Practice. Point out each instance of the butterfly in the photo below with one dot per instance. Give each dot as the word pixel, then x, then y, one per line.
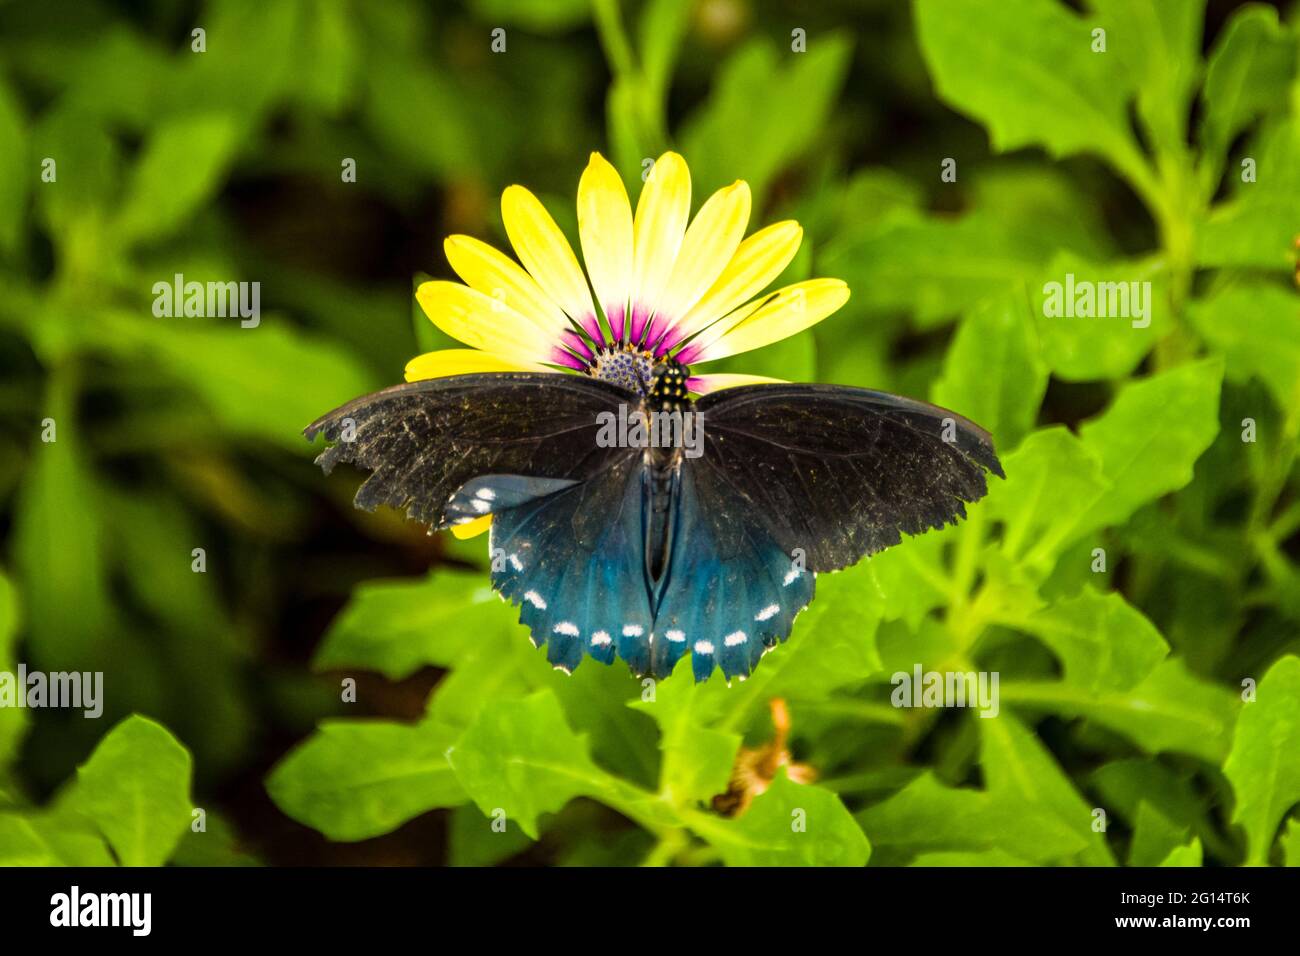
pixel 647 550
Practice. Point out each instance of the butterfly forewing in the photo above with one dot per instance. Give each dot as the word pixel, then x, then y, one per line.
pixel 838 473
pixel 423 441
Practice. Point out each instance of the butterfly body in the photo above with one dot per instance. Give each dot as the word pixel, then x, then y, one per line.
pixel 648 551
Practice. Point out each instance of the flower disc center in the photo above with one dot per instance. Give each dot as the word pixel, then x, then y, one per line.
pixel 626 366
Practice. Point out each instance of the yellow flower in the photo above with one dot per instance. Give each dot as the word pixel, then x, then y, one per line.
pixel 662 287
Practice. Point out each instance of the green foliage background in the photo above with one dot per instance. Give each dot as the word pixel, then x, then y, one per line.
pixel 1121 690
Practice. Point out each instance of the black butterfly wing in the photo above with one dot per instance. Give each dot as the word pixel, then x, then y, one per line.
pixel 836 472
pixel 423 441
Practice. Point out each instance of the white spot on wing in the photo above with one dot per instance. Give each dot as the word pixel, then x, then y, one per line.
pixel 792 576
pixel 480 506
pixel 675 636
pixel 734 638
pixel 767 612
pixel 487 494
pixel 515 562
pixel 633 630
pixel 535 599
pixel 703 647
pixel 600 639
pixel 566 627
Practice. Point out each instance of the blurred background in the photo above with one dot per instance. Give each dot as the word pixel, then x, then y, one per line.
pixel 228 164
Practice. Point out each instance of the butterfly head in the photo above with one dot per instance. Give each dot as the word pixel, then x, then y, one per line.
pixel 668 386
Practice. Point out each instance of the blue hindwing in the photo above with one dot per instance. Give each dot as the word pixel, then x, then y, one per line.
pixel 730 592
pixel 574 562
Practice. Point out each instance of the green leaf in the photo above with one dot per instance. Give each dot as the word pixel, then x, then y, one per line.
pixel 59 545
pixel 397 627
pixel 1157 45
pixel 478 841
pixel 968 858
pixel 1046 205
pixel 180 168
pixel 663 25
pixel 909 581
pixel 15 171
pixel 541 16
pixel 1020 772
pixel 520 757
pixel 926 816
pixel 269 382
pixel 906 264
pixel 1172 710
pixel 1249 69
pixel 992 371
pixel 245 70
pixel 13 720
pixel 1262 766
pixel 1150 437
pixel 217 844
pixel 417 113
pixel 1026 70
pixel 697 760
pixel 1155 837
pixel 1051 466
pixel 22 845
pixel 1077 346
pixel 792 824
pixel 497 668
pixel 1267 346
pixel 1190 855
pixel 1291 843
pixel 762 114
pixel 72 838
pixel 135 787
pixel 352 780
pixel 1257 227
pixel 1104 643
pixel 1125 784
pixel 86 170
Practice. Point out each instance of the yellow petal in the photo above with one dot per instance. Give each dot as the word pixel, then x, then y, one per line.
pixel 545 252
pixel 758 260
pixel 605 229
pixel 472 529
pixel 703 384
pixel 482 322
pixel 498 276
pixel 446 362
pixel 661 215
pixel 709 245
pixel 784 313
